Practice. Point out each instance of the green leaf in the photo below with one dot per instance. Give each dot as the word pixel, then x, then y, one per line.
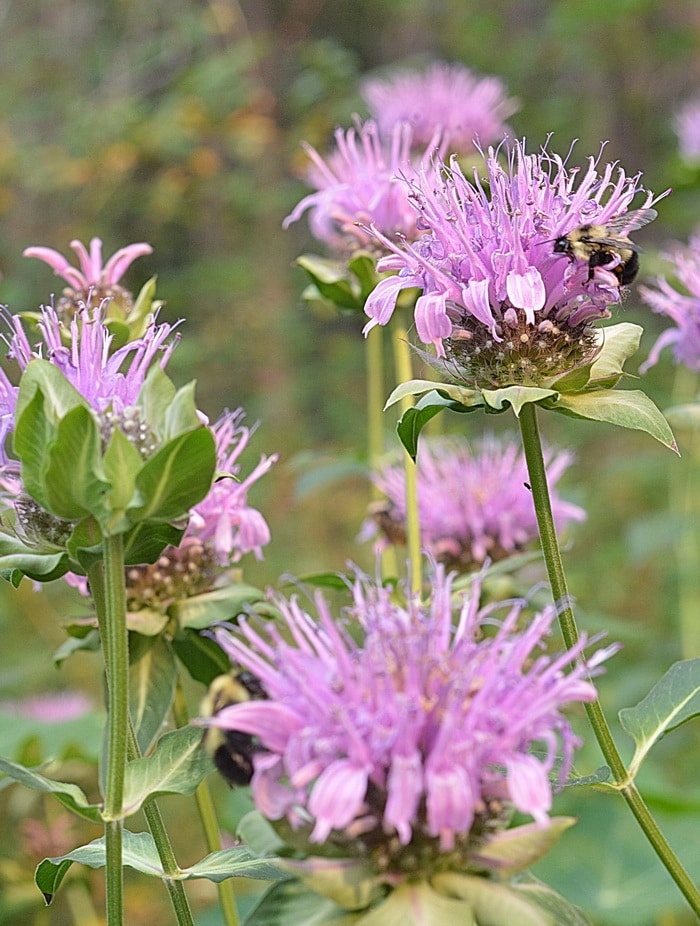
pixel 330 278
pixel 59 395
pixel 42 567
pixel 563 912
pixel 512 850
pixel 671 702
pixel 291 903
pixel 147 622
pixel 515 397
pixel 33 436
pixel 154 399
pixel 350 883
pixel 415 419
pixel 460 394
pixel 259 835
pixel 177 477
pixel 69 795
pixel 221 604
pixel 89 643
pixel 627 408
pixel 138 852
pixel 152 677
pixel 181 414
pixel 74 476
pixel 236 862
pixel 177 765
pixel 364 267
pixel 419 904
pixel 620 342
pixel 203 658
pixel 146 541
pixel 142 308
pixel 493 903
pixel 122 463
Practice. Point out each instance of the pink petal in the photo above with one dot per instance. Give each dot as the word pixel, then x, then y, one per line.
pixel 59 265
pixel 529 786
pixel 526 291
pixel 271 721
pixel 117 265
pixel 337 797
pixel 432 322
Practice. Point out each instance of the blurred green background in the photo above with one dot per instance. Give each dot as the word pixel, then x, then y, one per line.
pixel 178 123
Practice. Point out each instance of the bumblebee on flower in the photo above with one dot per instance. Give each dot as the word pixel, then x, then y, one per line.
pixel 412 744
pixel 499 304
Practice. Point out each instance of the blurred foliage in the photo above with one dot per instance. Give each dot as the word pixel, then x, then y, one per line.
pixel 178 123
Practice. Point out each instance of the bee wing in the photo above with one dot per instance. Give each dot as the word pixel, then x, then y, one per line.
pixel 624 224
pixel 615 243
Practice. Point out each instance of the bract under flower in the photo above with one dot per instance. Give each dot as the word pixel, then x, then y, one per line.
pixel 416 735
pixel 498 303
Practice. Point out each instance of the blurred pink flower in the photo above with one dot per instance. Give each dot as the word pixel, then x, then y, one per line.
pixel 473 502
pixel 359 184
pixel 682 308
pixel 467 108
pixel 687 127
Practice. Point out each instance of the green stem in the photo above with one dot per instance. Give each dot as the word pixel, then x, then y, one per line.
pixel 154 819
pixel 107 588
pixel 404 372
pixel 207 815
pixel 112 621
pixel 532 446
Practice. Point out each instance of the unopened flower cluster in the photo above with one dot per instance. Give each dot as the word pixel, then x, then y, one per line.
pixel 421 735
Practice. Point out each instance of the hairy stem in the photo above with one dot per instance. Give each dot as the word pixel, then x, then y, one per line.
pixel 108 577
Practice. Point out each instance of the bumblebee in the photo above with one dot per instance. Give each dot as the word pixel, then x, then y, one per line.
pixel 600 245
pixel 231 750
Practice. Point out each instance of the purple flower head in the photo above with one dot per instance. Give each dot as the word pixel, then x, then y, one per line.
pixel 687 127
pixel 419 734
pixel 467 108
pixel 359 184
pixel 224 519
pixel 498 303
pixel 472 501
pixel 683 308
pixel 109 382
pixel 91 280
